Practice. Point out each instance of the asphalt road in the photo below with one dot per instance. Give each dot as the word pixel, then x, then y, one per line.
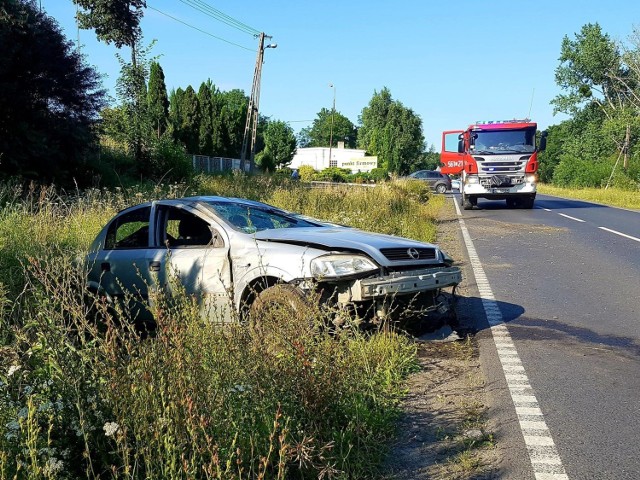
pixel 566 276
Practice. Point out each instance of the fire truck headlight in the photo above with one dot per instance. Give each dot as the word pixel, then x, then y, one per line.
pixel 531 178
pixel 471 179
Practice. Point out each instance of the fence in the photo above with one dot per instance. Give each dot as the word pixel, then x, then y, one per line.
pixel 203 163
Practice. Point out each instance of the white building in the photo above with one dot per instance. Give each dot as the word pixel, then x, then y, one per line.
pixel 349 158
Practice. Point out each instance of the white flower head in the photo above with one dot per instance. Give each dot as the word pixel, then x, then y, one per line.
pixel 111 428
pixel 13 369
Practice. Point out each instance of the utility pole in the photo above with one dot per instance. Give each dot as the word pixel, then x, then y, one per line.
pixel 251 125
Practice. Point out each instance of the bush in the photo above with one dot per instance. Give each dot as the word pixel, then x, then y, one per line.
pixel 306 172
pixel 333 174
pixel 580 173
pixel 169 160
pixel 379 174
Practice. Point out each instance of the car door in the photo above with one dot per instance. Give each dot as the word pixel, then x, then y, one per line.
pixel 432 178
pixel 194 253
pixel 122 265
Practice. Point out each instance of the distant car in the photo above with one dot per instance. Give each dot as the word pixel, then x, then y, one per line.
pixel 455 184
pixel 436 180
pixel 236 256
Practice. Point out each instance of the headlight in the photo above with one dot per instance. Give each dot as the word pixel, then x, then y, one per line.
pixel 471 180
pixel 531 178
pixel 446 259
pixel 334 266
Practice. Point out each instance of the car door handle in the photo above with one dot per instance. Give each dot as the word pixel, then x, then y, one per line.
pixel 154 266
pixel 105 266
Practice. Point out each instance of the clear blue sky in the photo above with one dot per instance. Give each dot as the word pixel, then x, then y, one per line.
pixel 452 62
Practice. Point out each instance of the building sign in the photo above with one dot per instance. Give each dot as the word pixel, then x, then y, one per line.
pixel 360 164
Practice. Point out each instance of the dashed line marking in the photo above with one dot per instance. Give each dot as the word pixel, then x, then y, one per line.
pixel 571 218
pixel 544 458
pixel 620 233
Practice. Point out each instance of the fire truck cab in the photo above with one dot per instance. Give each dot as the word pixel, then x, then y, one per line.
pixel 497 160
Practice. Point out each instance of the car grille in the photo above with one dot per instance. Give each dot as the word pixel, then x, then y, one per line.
pixel 402 254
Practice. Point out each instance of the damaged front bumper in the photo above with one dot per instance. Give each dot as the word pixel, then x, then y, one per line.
pixel 400 283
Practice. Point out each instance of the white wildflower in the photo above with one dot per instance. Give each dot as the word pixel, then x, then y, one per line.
pixel 13 369
pixel 54 466
pixel 110 428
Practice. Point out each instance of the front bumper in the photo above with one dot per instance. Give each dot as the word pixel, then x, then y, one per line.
pixel 402 283
pixel 482 191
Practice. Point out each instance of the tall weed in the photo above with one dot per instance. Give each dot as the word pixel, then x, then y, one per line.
pixel 83 395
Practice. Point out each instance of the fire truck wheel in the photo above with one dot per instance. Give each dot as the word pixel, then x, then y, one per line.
pixel 527 202
pixel 465 202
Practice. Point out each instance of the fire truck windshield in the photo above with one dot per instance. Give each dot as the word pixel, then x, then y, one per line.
pixel 503 141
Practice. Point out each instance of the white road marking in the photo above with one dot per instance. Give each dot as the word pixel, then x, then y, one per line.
pixel 544 458
pixel 546 209
pixel 620 233
pixel 571 218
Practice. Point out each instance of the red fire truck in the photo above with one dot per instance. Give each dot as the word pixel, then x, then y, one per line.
pixel 497 160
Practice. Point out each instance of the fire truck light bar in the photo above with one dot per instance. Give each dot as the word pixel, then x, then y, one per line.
pixel 496 122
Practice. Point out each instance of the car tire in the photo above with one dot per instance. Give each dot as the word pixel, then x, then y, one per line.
pixel 282 309
pixel 441 188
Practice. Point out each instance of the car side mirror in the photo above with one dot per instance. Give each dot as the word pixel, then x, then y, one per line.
pixel 543 142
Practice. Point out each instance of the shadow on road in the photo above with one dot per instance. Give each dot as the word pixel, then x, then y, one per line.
pixel 472 318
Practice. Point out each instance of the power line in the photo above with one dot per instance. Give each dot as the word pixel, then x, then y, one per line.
pixel 198 29
pixel 216 14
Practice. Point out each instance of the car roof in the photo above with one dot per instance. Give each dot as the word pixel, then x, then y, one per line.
pixel 204 199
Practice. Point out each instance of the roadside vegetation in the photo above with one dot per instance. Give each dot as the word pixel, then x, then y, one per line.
pixel 87 399
pixel 599 145
pixel 611 196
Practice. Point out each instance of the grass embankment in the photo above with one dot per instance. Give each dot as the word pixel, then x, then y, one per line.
pixel 200 400
pixel 611 196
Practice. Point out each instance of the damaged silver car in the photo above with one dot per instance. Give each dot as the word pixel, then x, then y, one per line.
pixel 237 256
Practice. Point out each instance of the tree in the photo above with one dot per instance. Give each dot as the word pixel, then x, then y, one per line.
pixel 321 132
pixel 131 88
pixel 233 116
pixel 587 67
pixel 592 71
pixel 157 100
pixel 189 132
pixel 280 146
pixel 114 21
pixel 49 98
pixel 392 132
pixel 207 116
pixel 175 112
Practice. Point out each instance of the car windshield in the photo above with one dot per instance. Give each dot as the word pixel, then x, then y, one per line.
pixel 251 219
pixel 504 141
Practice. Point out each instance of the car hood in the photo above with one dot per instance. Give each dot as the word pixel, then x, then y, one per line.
pixel 351 239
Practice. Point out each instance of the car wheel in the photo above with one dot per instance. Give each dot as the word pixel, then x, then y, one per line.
pixel 282 311
pixel 441 188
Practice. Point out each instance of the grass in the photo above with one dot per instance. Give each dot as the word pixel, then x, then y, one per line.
pixel 612 196
pixel 81 398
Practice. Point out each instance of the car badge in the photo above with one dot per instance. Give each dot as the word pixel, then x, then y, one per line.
pixel 413 253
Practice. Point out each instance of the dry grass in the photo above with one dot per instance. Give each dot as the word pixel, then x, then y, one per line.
pixel 611 196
